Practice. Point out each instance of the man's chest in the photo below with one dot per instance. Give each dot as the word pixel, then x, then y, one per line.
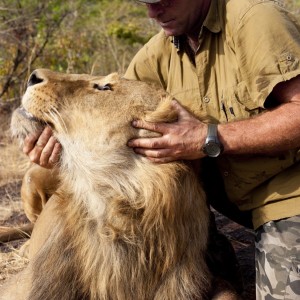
pixel 210 83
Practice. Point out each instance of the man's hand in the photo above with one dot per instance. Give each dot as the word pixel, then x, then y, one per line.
pixel 42 149
pixel 182 139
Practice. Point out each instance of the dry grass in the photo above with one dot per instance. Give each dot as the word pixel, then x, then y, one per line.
pixel 12 168
pixel 10 264
pixel 12 162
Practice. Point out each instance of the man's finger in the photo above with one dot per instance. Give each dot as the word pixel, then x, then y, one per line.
pixel 162 160
pixel 47 151
pixel 156 127
pixel 150 153
pixel 150 143
pixel 44 137
pixel 182 112
pixel 29 142
pixel 54 158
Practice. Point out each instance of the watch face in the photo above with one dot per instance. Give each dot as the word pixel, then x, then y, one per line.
pixel 212 149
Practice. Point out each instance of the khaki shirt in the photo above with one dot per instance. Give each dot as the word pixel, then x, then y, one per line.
pixel 246 48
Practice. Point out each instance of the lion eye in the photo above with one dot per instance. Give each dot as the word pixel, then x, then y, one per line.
pixel 106 87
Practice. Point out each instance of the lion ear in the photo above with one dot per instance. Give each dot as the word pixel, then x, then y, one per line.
pixel 110 79
pixel 163 113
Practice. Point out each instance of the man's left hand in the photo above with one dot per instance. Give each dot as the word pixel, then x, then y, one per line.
pixel 182 139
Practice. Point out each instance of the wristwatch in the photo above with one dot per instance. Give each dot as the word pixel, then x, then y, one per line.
pixel 212 146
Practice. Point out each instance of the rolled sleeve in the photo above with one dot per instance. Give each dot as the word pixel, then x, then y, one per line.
pixel 268 49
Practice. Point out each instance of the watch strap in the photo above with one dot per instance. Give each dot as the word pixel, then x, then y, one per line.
pixel 212 133
pixel 212 146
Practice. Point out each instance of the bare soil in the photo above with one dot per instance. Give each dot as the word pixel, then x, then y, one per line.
pixel 242 240
pixel 12 167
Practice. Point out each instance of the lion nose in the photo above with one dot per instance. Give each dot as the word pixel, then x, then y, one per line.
pixel 34 79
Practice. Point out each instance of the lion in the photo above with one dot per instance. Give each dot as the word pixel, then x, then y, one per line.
pixel 118 226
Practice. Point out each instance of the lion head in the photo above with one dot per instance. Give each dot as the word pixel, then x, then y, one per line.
pixel 131 229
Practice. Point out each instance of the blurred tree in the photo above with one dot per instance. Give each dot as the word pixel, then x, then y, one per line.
pixel 82 36
pixel 79 36
pixel 102 36
pixel 26 28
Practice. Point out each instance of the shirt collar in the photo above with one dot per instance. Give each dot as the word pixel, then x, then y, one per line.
pixel 212 22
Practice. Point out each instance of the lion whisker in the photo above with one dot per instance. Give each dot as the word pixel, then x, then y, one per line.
pixel 56 117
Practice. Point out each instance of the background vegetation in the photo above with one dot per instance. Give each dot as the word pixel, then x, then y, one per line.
pixel 81 36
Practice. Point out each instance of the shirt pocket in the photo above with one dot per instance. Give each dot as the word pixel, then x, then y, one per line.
pixel 237 103
pixel 288 62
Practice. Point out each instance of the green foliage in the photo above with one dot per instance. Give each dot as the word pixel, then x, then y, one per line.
pixel 25 30
pixel 127 33
pixel 80 36
pixel 293 5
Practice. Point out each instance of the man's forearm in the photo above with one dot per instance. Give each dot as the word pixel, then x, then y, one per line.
pixel 269 133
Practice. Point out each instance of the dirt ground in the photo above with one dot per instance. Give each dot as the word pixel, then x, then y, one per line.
pixel 242 240
pixel 12 167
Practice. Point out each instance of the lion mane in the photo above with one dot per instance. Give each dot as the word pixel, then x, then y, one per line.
pixel 121 226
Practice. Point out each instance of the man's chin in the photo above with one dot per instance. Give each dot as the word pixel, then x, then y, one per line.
pixel 170 32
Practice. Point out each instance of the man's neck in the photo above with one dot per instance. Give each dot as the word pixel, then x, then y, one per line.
pixel 193 36
pixel 193 43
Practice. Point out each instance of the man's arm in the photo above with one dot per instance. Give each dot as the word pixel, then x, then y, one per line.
pixel 271 132
pixel 274 131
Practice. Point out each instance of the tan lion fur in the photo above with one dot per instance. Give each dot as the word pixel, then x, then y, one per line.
pixel 121 226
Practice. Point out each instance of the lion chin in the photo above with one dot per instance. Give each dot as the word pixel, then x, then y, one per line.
pixel 118 227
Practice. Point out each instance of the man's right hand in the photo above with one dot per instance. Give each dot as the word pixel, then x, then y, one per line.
pixel 42 148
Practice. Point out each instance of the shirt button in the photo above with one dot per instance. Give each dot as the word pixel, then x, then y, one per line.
pixel 206 99
pixel 289 57
pixel 225 173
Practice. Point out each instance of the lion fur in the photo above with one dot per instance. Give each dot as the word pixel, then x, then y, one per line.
pixel 125 228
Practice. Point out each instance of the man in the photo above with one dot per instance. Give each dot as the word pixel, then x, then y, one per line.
pixel 236 64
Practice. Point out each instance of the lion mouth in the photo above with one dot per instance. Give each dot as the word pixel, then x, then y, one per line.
pixel 25 113
pixel 28 115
